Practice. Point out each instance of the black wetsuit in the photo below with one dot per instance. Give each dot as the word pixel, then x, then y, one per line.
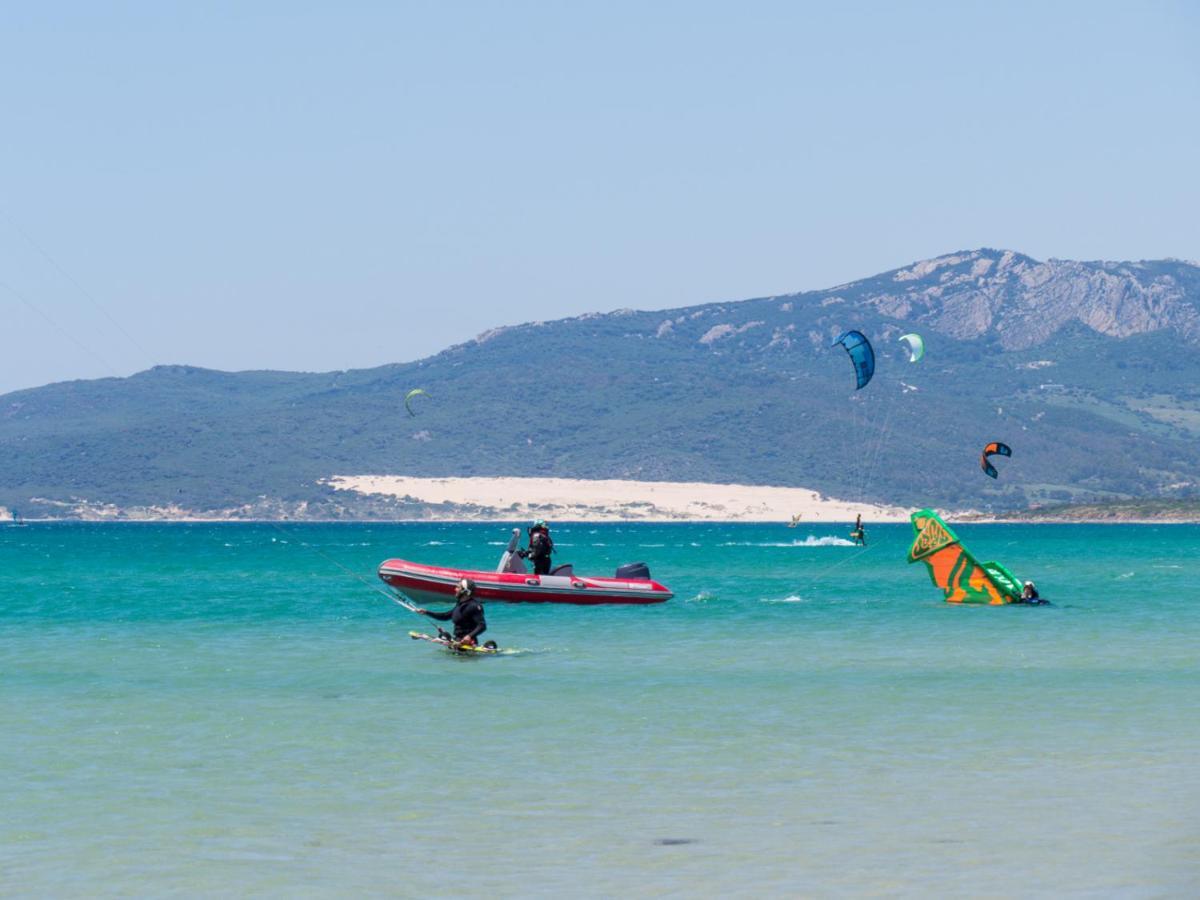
pixel 540 548
pixel 467 617
pixel 1032 598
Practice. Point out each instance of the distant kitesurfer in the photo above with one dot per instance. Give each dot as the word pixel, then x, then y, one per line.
pixel 539 549
pixel 467 615
pixel 858 535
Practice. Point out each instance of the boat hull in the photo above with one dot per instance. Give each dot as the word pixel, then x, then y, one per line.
pixel 436 584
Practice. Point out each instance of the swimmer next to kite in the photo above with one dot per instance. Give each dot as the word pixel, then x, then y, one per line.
pixel 1030 595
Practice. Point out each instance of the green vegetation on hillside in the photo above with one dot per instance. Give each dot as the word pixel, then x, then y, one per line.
pixel 746 392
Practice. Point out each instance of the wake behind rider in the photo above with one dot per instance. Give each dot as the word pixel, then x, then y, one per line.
pixel 540 547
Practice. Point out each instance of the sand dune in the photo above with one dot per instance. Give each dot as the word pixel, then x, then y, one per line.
pixel 608 500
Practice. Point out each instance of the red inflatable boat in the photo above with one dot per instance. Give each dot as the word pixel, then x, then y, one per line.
pixel 511 583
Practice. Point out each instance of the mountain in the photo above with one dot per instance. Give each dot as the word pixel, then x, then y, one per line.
pixel 1088 370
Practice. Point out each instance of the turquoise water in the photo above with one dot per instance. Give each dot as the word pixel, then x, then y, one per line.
pixel 206 709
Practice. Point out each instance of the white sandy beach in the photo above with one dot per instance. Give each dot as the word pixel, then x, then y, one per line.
pixel 611 500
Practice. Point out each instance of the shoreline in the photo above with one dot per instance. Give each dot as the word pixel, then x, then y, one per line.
pixel 363 499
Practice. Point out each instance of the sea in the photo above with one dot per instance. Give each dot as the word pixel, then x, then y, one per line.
pixel 237 709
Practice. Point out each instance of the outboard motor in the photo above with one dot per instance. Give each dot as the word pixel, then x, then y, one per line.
pixel 634 570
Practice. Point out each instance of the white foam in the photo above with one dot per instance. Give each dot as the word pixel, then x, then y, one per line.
pixel 810 541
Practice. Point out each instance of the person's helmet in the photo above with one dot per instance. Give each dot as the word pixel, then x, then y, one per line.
pixel 539 523
pixel 1029 584
pixel 465 587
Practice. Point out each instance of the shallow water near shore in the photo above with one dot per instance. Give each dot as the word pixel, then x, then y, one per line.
pixel 195 709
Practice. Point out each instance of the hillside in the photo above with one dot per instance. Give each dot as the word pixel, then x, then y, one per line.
pixel 1088 370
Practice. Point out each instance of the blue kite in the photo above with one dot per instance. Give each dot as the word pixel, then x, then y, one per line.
pixel 861 354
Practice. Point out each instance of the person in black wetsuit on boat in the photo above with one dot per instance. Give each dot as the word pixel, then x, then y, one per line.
pixel 540 548
pixel 467 615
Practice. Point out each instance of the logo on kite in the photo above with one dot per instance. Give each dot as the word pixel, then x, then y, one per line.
pixel 861 355
pixel 417 392
pixel 916 346
pixel 995 448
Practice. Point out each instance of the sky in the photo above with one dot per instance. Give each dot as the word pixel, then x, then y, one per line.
pixel 330 186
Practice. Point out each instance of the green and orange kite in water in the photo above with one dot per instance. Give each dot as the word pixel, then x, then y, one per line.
pixel 962 578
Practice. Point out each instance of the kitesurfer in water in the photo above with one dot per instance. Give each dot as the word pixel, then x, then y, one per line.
pixel 539 549
pixel 467 615
pixel 1030 595
pixel 858 535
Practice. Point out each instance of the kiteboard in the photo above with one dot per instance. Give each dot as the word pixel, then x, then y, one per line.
pixel 477 650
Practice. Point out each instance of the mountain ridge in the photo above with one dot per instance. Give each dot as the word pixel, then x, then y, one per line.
pixel 1074 364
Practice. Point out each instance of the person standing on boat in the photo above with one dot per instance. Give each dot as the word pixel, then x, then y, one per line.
pixel 540 548
pixel 467 615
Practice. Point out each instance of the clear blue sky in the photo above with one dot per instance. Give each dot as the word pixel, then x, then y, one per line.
pixel 325 186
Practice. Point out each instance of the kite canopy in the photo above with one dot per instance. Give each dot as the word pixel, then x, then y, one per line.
pixel 995 448
pixel 417 392
pixel 861 354
pixel 953 568
pixel 916 346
